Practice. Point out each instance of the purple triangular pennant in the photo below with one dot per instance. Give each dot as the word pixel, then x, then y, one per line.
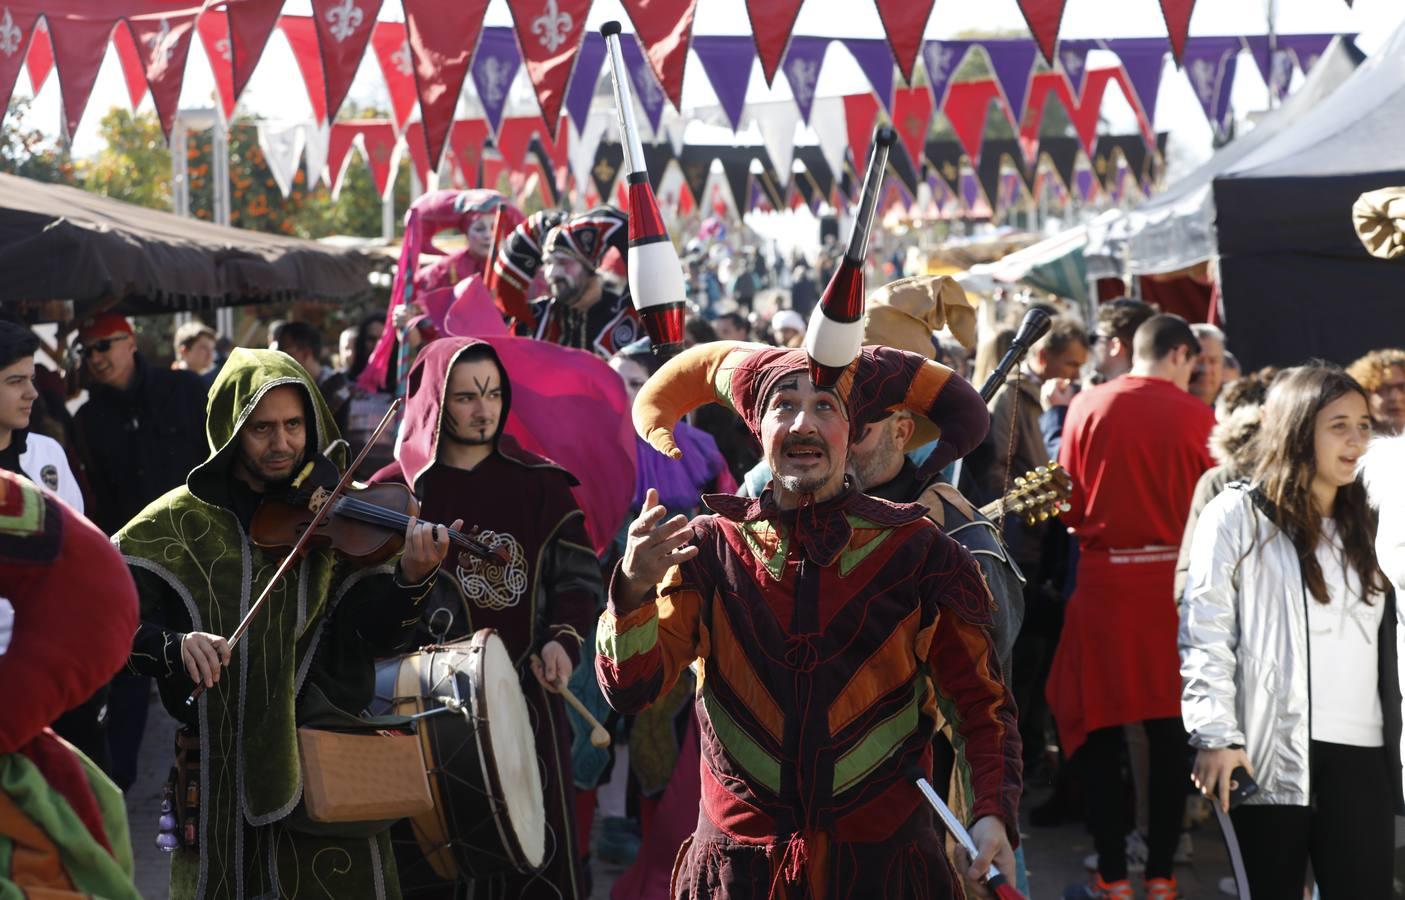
pixel 1277 72
pixel 802 69
pixel 1142 60
pixel 942 59
pixel 647 89
pixel 1085 183
pixel 494 67
pixel 1307 48
pixel 970 190
pixel 1012 62
pixel 875 58
pixel 584 79
pixel 727 62
pixel 1072 58
pixel 1209 63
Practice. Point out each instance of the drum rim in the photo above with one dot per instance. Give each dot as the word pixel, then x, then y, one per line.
pixel 482 734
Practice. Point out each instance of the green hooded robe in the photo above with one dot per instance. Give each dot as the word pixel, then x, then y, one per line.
pixel 326 622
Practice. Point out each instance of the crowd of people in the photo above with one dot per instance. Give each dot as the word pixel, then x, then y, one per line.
pixel 811 597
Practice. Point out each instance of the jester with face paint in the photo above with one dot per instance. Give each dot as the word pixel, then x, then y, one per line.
pixel 828 629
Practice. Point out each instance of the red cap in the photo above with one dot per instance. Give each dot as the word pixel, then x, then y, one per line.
pixel 103 325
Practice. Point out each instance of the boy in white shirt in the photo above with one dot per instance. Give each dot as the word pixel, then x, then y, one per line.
pixel 37 457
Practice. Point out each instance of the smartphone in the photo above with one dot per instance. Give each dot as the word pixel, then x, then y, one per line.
pixel 1242 786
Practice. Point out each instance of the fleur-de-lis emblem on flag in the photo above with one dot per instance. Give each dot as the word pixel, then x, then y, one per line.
pixel 402 60
pixel 803 73
pixel 10 35
pixel 1072 62
pixel 939 59
pixel 604 172
pixel 159 46
pixel 1202 75
pixel 344 19
pixel 223 49
pixel 495 78
pixel 552 26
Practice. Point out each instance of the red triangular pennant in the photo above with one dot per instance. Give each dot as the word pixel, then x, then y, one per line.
pixel 466 141
pixel 302 40
pixel 133 70
pixel 859 112
pixel 443 38
pixel 343 30
pixel 772 21
pixel 79 47
pixel 549 34
pixel 414 146
pixel 665 28
pixel 164 45
pixel 904 21
pixel 251 22
pixel 967 104
pixel 1043 85
pixel 1177 13
pixel 39 61
pixel 912 114
pixel 392 45
pixel 214 37
pixel 15 33
pixel 339 142
pixel 1044 18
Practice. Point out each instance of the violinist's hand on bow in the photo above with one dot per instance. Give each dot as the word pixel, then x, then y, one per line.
pixel 426 545
pixel 204 655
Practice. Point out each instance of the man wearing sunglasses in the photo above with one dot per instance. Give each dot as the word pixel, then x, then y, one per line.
pixel 139 434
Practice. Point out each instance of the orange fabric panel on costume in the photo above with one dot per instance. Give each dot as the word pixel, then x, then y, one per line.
pixel 890 667
pixel 35 865
pixel 734 668
pixel 926 385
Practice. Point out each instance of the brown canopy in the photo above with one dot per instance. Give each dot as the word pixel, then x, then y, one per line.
pixel 62 243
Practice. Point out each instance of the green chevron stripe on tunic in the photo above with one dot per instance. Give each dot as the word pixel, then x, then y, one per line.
pixel 748 754
pixel 622 645
pixel 880 743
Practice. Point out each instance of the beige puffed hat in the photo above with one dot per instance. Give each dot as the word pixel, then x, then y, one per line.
pixel 1380 221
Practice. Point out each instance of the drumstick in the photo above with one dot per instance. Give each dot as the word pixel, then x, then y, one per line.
pixel 599 737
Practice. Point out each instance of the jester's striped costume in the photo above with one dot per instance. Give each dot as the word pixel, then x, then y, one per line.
pixel 827 639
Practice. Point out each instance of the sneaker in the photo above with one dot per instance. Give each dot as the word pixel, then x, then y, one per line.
pixel 1162 889
pixel 1100 890
pixel 1136 855
pixel 1185 851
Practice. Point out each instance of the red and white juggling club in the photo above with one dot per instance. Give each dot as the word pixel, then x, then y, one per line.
pixel 655 272
pixel 835 335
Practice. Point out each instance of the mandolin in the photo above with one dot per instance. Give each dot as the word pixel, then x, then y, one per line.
pixel 1039 495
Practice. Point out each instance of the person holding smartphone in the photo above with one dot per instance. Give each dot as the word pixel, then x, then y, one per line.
pixel 1288 652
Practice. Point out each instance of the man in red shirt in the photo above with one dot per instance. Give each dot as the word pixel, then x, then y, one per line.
pixel 1135 448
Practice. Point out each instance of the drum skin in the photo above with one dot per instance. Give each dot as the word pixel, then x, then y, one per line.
pixel 470 833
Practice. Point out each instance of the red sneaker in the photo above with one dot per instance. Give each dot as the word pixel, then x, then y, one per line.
pixel 1101 890
pixel 1162 889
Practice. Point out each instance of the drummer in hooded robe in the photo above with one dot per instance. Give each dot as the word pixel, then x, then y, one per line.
pixel 455 456
pixel 197 573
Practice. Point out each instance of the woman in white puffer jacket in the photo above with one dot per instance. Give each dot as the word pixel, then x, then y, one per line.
pixel 1289 645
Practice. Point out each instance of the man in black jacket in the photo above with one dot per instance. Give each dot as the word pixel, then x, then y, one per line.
pixel 139 435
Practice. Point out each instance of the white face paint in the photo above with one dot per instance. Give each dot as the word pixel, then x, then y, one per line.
pixel 7 624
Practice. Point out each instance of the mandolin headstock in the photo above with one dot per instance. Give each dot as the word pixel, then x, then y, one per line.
pixel 1039 495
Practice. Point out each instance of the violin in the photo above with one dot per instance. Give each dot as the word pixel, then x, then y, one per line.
pixel 365 523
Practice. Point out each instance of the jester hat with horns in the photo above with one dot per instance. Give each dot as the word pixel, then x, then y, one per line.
pixel 880 381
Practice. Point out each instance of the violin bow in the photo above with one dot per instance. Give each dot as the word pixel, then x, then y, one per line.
pixel 321 516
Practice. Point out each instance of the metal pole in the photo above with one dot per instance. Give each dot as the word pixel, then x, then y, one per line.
pixel 1272 50
pixel 388 214
pixel 180 169
pixel 219 152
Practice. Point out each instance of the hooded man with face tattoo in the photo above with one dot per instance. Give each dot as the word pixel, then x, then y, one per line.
pixel 588 306
pixel 454 455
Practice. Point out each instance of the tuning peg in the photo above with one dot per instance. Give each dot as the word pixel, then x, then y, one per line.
pixel 1020 482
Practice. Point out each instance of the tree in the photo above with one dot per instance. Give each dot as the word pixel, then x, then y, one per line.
pixel 134 164
pixel 26 152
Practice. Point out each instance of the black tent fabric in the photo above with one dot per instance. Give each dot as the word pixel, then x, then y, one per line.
pixel 62 243
pixel 1296 282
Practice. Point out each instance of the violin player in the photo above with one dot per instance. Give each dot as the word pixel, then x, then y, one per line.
pixel 197 572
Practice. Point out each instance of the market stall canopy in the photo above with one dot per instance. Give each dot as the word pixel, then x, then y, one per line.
pixel 62 243
pixel 1057 265
pixel 1175 229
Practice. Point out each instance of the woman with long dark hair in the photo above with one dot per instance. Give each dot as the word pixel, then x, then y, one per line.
pixel 1288 640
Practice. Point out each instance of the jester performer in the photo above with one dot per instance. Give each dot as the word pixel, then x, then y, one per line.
pixel 829 629
pixel 310 651
pixel 63 828
pixel 588 306
pixel 518 263
pixel 455 456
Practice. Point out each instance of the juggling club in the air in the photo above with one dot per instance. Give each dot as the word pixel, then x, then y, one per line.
pixel 835 336
pixel 655 272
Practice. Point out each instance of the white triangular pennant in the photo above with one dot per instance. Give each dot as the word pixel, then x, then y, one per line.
pixel 832 130
pixel 315 139
pixel 282 145
pixel 582 151
pixel 777 123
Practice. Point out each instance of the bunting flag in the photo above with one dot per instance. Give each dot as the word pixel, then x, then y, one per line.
pixel 1073 62
pixel 549 34
pixel 494 67
pixel 944 162
pixel 875 59
pixel 391 42
pixel 417 151
pixel 727 63
pixel 375 139
pixel 1142 60
pixel 696 163
pixel 859 112
pixel 736 170
pixel 971 196
pixel 79 47
pixel 316 141
pixel 302 40
pixel 777 125
pixel 912 115
pixel 282 145
pixel 39 60
pixel 213 26
pixel 1044 85
pixel 1012 62
pixel 1177 14
pixel 942 59
pixel 817 174
pixel 609 156
pixel 341 138
pixel 772 21
pixel 133 68
pixel 18 38
pixel 1132 149
pixel 904 21
pixel 1044 18
pixel 647 92
pixel 344 30
pixel 966 107
pixel 586 141
pixel 442 43
pixel 251 24
pixel 1062 155
pixel 665 29
pixel 802 69
pixel 467 138
pixel 164 46
pixel 905 169
pixel 1306 48
pixel 583 81
pixel 656 159
pixel 1085 185
pixel 1210 64
pixel 832 130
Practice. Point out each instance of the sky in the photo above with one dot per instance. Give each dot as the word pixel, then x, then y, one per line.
pixel 268 95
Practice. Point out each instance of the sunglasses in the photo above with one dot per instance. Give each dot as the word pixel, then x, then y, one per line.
pixel 101 346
